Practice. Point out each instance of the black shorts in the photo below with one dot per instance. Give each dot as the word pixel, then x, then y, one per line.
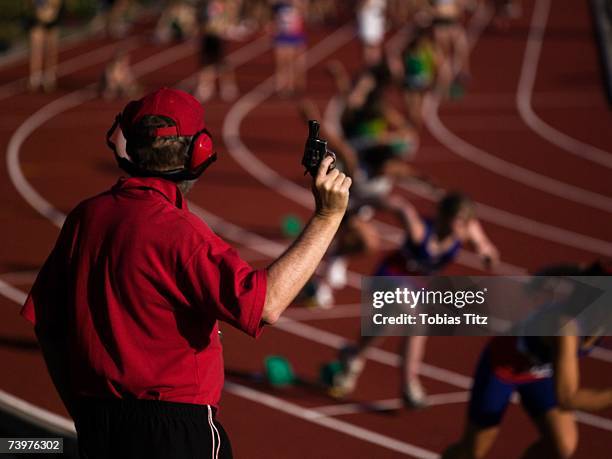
pixel 32 23
pixel 374 158
pixel 444 21
pixel 148 429
pixel 211 50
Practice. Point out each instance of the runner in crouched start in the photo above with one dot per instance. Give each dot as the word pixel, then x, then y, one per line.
pixel 430 246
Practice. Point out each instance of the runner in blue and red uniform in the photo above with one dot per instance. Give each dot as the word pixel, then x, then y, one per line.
pixel 430 245
pixel 545 372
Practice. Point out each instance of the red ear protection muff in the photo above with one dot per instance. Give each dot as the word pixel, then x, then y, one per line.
pixel 200 153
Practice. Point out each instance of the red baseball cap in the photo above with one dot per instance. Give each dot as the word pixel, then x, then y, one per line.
pixel 181 107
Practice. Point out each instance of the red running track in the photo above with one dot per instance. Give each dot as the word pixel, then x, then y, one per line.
pixel 64 159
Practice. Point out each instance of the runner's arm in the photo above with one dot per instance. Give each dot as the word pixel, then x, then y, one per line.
pixel 407 215
pixel 358 95
pixel 482 244
pixel 567 380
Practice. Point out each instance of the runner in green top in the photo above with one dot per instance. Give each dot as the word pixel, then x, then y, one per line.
pixel 419 62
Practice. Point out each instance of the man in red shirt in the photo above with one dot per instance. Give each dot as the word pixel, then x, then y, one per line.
pixel 126 307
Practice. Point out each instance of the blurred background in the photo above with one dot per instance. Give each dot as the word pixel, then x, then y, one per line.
pixel 501 105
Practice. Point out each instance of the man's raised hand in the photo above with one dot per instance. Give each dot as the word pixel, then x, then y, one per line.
pixel 331 190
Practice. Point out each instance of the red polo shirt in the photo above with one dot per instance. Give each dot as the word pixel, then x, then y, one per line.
pixel 135 285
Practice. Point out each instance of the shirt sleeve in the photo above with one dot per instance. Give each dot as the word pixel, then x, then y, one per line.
pixel 224 283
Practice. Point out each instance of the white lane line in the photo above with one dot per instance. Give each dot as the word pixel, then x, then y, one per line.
pixel 388 358
pixel 314 417
pixel 389 404
pixel 544 99
pixel 12 293
pixel 529 70
pixel 25 189
pixel 375 354
pixel 19 277
pixel 164 58
pixel 593 420
pixel 37 416
pixel 507 169
pixel 500 166
pixel 602 353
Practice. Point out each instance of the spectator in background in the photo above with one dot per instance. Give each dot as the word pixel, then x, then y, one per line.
pixel 399 12
pixel 118 79
pixel 116 25
pixel 256 12
pixel 178 21
pixel 289 45
pixel 416 68
pixel 43 44
pixel 372 23
pixel 451 40
pixel 322 11
pixel 219 22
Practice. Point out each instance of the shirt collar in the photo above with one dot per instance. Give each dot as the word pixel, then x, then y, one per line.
pixel 169 190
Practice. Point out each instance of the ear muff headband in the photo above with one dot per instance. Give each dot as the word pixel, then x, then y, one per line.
pixel 200 155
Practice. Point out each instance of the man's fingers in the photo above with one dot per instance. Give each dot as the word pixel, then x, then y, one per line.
pixel 324 167
pixel 346 184
pixel 337 184
pixel 330 179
